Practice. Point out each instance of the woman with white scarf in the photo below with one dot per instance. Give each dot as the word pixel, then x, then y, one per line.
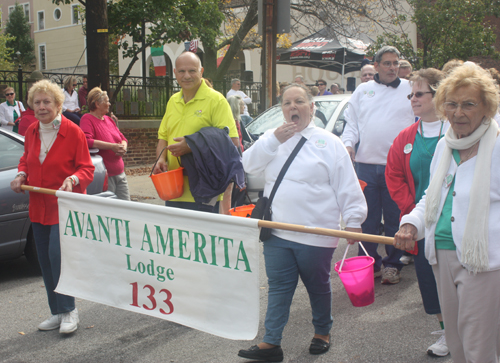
pixel 458 216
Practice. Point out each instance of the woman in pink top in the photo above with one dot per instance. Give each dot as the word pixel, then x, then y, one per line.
pixel 103 134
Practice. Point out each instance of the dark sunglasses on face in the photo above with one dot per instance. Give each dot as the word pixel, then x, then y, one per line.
pixel 320 84
pixel 10 94
pixel 418 94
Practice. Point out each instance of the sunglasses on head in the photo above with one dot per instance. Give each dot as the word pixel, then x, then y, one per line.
pixel 10 94
pixel 418 94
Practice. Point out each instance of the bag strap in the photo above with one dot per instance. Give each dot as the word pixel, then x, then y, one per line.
pixel 284 169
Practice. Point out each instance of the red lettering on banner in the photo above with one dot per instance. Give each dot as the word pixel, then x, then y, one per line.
pixel 151 297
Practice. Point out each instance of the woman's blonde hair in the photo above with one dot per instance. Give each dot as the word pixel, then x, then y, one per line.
pixel 95 96
pixel 5 91
pixel 69 81
pixel 49 88
pixel 430 75
pixel 468 75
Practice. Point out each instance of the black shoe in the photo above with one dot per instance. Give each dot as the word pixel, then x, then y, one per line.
pixel 318 346
pixel 264 355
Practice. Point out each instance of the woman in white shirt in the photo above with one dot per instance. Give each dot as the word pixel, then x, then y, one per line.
pixel 71 109
pixel 319 186
pixel 10 110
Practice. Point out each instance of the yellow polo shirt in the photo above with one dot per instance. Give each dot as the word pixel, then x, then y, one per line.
pixel 207 108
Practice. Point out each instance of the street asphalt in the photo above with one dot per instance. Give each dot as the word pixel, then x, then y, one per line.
pixel 394 329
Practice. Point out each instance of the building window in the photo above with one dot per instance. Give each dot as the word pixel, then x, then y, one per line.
pixel 42 57
pixel 75 15
pixel 57 14
pixel 41 20
pixel 27 10
pixel 11 9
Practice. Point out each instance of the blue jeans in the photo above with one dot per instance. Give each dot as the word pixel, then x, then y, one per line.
pixel 49 255
pixel 426 281
pixel 285 262
pixel 379 203
pixel 246 119
pixel 194 206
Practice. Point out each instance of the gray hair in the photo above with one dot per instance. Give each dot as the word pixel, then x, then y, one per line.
pixel 234 102
pixel 234 80
pixel 386 49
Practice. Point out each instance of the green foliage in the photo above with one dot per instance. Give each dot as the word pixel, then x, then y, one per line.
pixel 5 51
pixel 167 21
pixel 401 42
pixel 19 29
pixel 447 29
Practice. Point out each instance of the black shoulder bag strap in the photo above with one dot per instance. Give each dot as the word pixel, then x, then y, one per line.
pixel 283 171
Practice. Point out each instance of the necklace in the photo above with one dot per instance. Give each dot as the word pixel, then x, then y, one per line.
pixel 468 156
pixel 423 138
pixel 50 144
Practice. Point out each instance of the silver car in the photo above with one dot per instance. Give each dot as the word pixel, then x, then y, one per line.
pixel 329 115
pixel 16 236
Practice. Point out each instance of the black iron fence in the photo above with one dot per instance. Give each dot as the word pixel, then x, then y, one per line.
pixel 139 98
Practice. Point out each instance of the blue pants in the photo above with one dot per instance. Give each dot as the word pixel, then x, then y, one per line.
pixel 49 255
pixel 426 281
pixel 285 262
pixel 379 203
pixel 73 116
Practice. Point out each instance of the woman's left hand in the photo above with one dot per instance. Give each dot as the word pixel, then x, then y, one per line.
pixel 285 131
pixel 67 185
pixel 355 230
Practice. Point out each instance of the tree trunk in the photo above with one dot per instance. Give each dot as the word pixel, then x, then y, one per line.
pixel 97 44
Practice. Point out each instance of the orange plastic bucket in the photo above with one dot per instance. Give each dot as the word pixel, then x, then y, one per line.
pixel 169 184
pixel 242 211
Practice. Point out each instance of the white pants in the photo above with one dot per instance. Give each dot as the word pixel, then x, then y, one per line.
pixel 118 184
pixel 470 305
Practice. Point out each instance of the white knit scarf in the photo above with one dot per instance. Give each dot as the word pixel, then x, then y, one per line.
pixel 475 239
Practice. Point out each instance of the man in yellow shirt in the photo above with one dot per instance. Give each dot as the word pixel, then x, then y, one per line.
pixel 194 107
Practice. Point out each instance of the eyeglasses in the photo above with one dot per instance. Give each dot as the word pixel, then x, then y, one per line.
pixel 320 84
pixel 418 94
pixel 465 106
pixel 387 64
pixel 10 94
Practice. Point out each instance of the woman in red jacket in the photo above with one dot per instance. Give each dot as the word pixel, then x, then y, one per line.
pixel 407 176
pixel 55 156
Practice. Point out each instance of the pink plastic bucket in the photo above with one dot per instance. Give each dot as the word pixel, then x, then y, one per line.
pixel 357 277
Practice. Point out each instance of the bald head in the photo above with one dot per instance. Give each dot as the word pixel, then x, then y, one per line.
pixel 188 72
pixel 367 73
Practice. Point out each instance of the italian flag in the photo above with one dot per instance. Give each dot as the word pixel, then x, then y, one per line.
pixel 159 61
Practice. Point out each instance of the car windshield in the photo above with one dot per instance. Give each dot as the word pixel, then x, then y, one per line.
pixel 11 151
pixel 273 117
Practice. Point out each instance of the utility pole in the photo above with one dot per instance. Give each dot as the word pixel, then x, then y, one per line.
pixel 97 44
pixel 269 52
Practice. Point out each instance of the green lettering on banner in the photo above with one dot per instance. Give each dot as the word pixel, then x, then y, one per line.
pixel 128 264
pixel 117 230
pixel 198 248
pixel 161 240
pixel 127 235
pixel 90 228
pixel 214 255
pixel 100 223
pixel 146 238
pixel 226 250
pixel 70 224
pixel 182 245
pixel 80 224
pixel 241 251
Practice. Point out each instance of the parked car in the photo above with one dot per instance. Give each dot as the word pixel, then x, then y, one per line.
pixel 329 115
pixel 16 237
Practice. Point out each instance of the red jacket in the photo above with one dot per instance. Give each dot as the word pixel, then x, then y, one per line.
pixel 69 155
pixel 398 176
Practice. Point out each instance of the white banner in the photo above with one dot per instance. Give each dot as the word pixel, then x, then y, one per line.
pixel 193 268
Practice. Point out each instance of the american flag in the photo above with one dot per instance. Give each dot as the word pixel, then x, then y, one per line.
pixel 193 46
